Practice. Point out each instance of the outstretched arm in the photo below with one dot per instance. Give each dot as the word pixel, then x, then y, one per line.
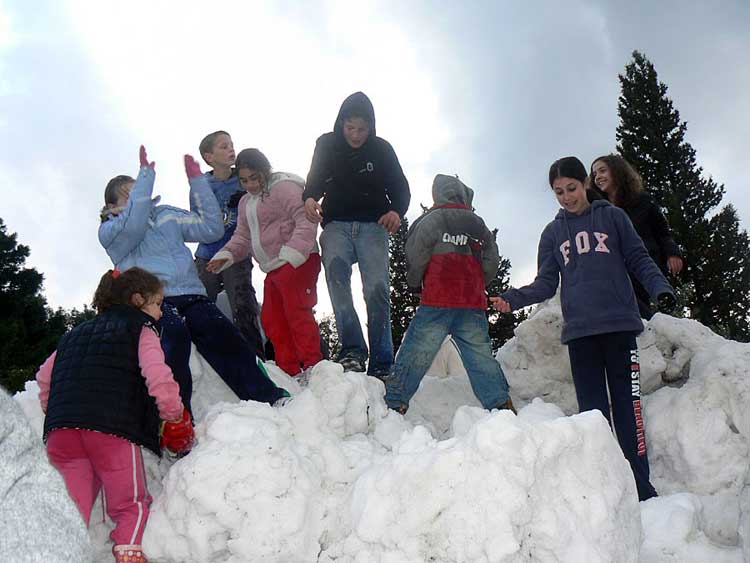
pixel 546 281
pixel 122 233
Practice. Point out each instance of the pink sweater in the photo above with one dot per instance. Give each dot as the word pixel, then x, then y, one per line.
pixel 159 380
pixel 273 228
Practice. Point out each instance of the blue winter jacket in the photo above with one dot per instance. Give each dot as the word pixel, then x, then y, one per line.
pixel 153 236
pixel 223 190
pixel 592 253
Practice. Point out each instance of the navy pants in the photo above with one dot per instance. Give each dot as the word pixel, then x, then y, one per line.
pixel 196 318
pixel 611 360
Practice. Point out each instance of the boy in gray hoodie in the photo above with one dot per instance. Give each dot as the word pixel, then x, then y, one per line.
pixel 451 257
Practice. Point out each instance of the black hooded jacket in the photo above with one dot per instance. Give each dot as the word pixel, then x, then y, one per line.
pixel 356 184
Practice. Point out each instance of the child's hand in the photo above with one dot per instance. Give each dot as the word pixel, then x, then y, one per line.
pixel 192 168
pixel 313 210
pixel 501 304
pixel 391 221
pixel 215 265
pixel 178 435
pixel 674 265
pixel 143 157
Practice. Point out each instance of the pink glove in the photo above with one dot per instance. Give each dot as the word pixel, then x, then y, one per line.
pixel 144 158
pixel 192 168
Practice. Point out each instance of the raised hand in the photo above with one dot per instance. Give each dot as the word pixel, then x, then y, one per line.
pixel 192 168
pixel 143 157
pixel 501 304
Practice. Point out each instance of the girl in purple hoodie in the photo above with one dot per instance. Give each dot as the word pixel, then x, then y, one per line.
pixel 592 247
pixel 273 228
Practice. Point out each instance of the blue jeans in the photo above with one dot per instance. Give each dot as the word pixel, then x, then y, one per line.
pixel 343 244
pixel 425 335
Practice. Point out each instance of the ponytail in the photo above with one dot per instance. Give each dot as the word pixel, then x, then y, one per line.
pixel 117 288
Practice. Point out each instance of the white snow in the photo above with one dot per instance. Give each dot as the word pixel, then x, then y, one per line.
pixel 333 476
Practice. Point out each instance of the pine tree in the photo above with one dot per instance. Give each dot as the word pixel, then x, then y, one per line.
pixel 501 325
pixel 651 136
pixel 404 302
pixel 329 335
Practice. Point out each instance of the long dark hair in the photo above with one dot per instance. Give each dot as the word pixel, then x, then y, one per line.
pixel 626 181
pixel 117 288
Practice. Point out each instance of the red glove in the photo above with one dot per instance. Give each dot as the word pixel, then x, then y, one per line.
pixel 144 158
pixel 192 168
pixel 178 437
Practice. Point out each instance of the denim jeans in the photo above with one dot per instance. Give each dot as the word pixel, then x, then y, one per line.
pixel 425 335
pixel 343 244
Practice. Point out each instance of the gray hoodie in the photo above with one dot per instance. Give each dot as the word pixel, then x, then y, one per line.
pixel 592 253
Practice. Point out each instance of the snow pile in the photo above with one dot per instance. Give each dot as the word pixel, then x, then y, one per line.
pixel 38 520
pixel 334 476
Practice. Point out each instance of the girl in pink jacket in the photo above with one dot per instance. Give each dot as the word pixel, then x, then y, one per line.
pixel 105 391
pixel 273 228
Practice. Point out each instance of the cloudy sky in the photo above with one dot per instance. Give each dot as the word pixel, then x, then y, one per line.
pixel 492 91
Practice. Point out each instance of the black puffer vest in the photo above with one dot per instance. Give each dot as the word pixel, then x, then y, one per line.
pixel 97 382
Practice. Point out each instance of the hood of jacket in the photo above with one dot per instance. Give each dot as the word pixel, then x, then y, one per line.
pixel 277 177
pixel 449 189
pixel 359 104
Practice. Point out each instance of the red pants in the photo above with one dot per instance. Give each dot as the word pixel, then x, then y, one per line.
pixel 91 460
pixel 289 295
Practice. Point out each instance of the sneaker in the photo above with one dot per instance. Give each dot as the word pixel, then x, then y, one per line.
pixel 350 363
pixel 282 402
pixel 508 405
pixel 303 378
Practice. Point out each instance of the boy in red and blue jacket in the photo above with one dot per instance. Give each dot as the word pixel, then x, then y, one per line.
pixel 451 257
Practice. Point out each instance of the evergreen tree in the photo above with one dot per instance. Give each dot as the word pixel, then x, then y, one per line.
pixel 329 335
pixel 502 325
pixel 404 302
pixel 651 136
pixel 29 330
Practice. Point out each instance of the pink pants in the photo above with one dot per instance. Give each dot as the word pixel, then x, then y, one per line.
pixel 289 296
pixel 91 460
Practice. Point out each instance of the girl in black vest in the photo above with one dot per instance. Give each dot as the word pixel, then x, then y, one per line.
pixel 105 391
pixel 613 177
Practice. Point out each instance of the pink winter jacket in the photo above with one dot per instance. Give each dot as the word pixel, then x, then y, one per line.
pixel 159 380
pixel 272 227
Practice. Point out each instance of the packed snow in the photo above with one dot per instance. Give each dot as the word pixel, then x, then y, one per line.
pixel 334 476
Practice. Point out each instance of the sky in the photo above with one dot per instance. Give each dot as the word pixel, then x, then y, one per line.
pixel 491 91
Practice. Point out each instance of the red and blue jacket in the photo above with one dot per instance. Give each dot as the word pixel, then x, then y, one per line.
pixel 451 254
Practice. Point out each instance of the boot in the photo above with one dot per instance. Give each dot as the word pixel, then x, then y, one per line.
pixel 507 406
pixel 129 554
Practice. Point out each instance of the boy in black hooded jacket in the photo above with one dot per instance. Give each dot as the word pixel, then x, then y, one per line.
pixel 365 195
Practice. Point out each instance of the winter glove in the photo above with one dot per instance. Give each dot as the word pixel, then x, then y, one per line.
pixel 192 168
pixel 666 303
pixel 178 437
pixel 234 201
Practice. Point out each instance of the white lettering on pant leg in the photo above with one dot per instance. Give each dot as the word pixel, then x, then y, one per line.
pixel 565 250
pixel 635 389
pixel 583 244
pixel 600 246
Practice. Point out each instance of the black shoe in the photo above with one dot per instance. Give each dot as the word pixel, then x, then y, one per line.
pixel 350 363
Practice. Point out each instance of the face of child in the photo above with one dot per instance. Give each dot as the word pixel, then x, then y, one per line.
pixel 152 305
pixel 222 154
pixel 602 176
pixel 356 131
pixel 571 194
pixel 124 195
pixel 251 180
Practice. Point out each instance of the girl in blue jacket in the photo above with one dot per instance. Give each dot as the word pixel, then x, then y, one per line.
pixel 135 231
pixel 592 247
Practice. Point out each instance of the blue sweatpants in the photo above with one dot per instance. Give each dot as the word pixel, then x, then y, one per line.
pixel 611 360
pixel 196 318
